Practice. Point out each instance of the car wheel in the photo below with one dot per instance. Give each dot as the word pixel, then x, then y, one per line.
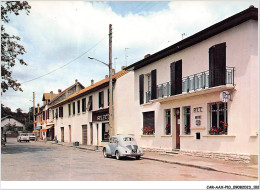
pixel 104 153
pixel 138 157
pixel 117 155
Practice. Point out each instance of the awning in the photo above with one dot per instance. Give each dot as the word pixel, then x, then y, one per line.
pixel 49 126
pixel 43 130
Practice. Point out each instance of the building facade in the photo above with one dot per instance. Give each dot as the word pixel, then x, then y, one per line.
pixel 44 117
pixel 200 95
pixel 85 114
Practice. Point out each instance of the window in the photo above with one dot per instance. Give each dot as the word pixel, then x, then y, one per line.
pixel 89 107
pixel 78 106
pixel 187 120
pixel 48 111
pixel 69 109
pixel 84 105
pixel 218 119
pixel 149 82
pixel 60 111
pixel 148 123
pixel 43 115
pixel 167 122
pixel 101 99
pixel 56 114
pixel 53 114
pixel 105 131
pixel 73 108
pixel 108 96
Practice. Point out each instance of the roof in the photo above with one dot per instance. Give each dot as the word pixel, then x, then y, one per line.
pixel 47 96
pixel 65 91
pixel 92 88
pixel 249 14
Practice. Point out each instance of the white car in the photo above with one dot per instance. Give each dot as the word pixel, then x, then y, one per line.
pixel 32 137
pixel 23 137
pixel 122 146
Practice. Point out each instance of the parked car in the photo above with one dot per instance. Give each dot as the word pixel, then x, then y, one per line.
pixel 23 137
pixel 32 137
pixel 122 146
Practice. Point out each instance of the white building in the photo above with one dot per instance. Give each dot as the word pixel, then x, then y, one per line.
pixel 9 122
pixel 177 92
pixel 84 115
pixel 44 118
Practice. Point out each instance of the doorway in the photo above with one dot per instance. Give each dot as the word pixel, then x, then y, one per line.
pixel 62 134
pixel 70 132
pixel 97 135
pixel 91 133
pixel 178 122
pixel 84 134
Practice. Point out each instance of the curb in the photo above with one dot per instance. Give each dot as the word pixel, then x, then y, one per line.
pixel 200 167
pixel 78 147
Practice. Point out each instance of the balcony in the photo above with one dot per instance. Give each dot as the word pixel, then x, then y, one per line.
pixel 193 83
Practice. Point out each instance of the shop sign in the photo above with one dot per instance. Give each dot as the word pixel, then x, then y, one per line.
pixel 225 96
pixel 38 128
pixel 100 115
pixel 197 109
pixel 198 122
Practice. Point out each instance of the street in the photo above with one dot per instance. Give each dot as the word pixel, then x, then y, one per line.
pixel 40 161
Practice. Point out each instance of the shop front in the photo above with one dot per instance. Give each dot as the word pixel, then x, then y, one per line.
pixel 100 125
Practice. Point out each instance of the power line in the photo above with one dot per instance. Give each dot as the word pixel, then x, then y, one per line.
pixel 66 63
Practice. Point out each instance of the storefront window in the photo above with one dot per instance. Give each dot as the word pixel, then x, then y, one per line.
pixel 168 122
pixel 187 120
pixel 148 123
pixel 105 131
pixel 218 119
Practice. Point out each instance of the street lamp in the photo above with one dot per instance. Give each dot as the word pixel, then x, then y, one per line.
pixel 111 131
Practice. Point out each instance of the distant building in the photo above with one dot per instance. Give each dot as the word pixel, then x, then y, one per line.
pixel 10 125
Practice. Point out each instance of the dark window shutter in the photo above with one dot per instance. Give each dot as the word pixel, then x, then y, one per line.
pixel 141 89
pixel 176 77
pixel 217 65
pixel 153 84
pixel 178 74
pixel 172 76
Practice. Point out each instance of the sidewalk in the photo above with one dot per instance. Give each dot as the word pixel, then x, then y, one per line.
pixel 231 167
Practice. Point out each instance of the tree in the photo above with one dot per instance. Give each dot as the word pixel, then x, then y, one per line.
pixel 10 48
pixel 5 111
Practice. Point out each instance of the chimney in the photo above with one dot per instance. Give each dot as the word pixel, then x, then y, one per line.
pixel 106 76
pixel 76 81
pixel 147 55
pixel 77 88
pixel 51 95
pixel 59 90
pixel 92 82
pixel 113 71
pixel 122 68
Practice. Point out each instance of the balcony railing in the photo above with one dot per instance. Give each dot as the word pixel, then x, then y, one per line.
pixel 190 83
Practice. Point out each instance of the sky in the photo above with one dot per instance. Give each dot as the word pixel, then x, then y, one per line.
pixel 60 35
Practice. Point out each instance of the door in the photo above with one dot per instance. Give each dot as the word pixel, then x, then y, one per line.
pixel 177 113
pixel 91 134
pixel 97 135
pixel 70 132
pixel 84 134
pixel 62 134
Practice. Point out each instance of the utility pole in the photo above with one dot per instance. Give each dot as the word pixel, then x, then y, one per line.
pixel 111 131
pixel 33 110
